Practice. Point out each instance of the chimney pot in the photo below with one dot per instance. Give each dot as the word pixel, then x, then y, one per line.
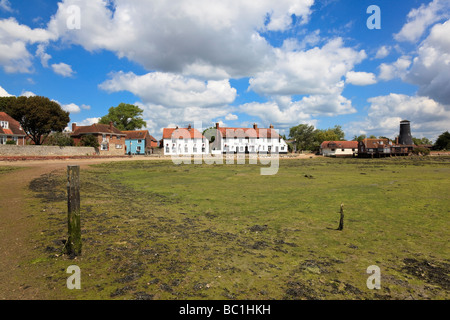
pixel 271 126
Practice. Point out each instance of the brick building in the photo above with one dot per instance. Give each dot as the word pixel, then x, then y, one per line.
pixel 10 130
pixel 110 139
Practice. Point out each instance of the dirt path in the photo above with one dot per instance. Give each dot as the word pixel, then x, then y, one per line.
pixel 15 225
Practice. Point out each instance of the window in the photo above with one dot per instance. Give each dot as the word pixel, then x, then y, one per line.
pixel 139 141
pixel 138 149
pixel 2 140
pixel 104 137
pixel 333 149
pixel 104 147
pixel 118 146
pixel 342 149
pixel 4 124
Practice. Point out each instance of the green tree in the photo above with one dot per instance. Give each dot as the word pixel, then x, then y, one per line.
pixel 359 138
pixel 89 140
pixel 7 104
pixel 442 142
pixel 332 134
pixel 210 134
pixel 124 117
pixel 422 141
pixel 305 137
pixel 39 116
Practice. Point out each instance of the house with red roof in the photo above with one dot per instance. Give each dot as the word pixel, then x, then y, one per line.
pixel 10 130
pixel 180 141
pixel 110 139
pixel 339 148
pixel 247 140
pixel 139 142
pixel 226 140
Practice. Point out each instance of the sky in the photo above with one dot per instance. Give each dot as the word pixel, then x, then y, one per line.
pixel 364 65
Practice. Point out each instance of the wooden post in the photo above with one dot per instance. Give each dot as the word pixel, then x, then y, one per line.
pixel 341 221
pixel 73 244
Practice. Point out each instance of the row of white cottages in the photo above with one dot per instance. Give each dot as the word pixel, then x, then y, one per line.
pixel 189 141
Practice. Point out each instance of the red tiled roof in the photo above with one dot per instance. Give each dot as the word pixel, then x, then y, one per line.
pixel 96 128
pixel 375 143
pixel 339 144
pixel 178 133
pixel 139 134
pixel 136 134
pixel 248 133
pixel 14 126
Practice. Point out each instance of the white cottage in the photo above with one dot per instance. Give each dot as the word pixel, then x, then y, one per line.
pixel 339 148
pixel 247 140
pixel 180 141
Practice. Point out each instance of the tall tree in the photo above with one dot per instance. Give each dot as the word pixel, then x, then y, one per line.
pixel 305 137
pixel 39 116
pixel 331 134
pixel 125 117
pixel 7 104
pixel 442 142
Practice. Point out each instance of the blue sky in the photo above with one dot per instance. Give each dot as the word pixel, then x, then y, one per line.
pixel 280 62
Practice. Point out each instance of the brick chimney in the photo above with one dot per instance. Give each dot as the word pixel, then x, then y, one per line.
pixel 110 125
pixel 189 127
pixel 217 125
pixel 74 127
pixel 271 126
pixel 255 126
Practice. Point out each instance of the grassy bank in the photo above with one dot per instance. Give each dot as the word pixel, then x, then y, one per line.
pixel 153 230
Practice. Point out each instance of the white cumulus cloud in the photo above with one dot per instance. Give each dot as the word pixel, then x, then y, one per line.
pixel 315 71
pixel 428 117
pixel 360 78
pixel 208 38
pixel 421 18
pixel 14 39
pixel 63 69
pixel 172 90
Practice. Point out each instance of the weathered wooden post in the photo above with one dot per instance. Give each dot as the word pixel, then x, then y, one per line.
pixel 341 221
pixel 73 244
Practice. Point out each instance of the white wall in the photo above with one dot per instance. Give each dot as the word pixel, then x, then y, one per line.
pixel 327 152
pixel 185 146
pixel 254 145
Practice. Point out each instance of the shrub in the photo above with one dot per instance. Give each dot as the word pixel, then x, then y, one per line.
pixel 59 139
pixel 89 141
pixel 421 151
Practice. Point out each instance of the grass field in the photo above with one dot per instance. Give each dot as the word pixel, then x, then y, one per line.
pixel 154 230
